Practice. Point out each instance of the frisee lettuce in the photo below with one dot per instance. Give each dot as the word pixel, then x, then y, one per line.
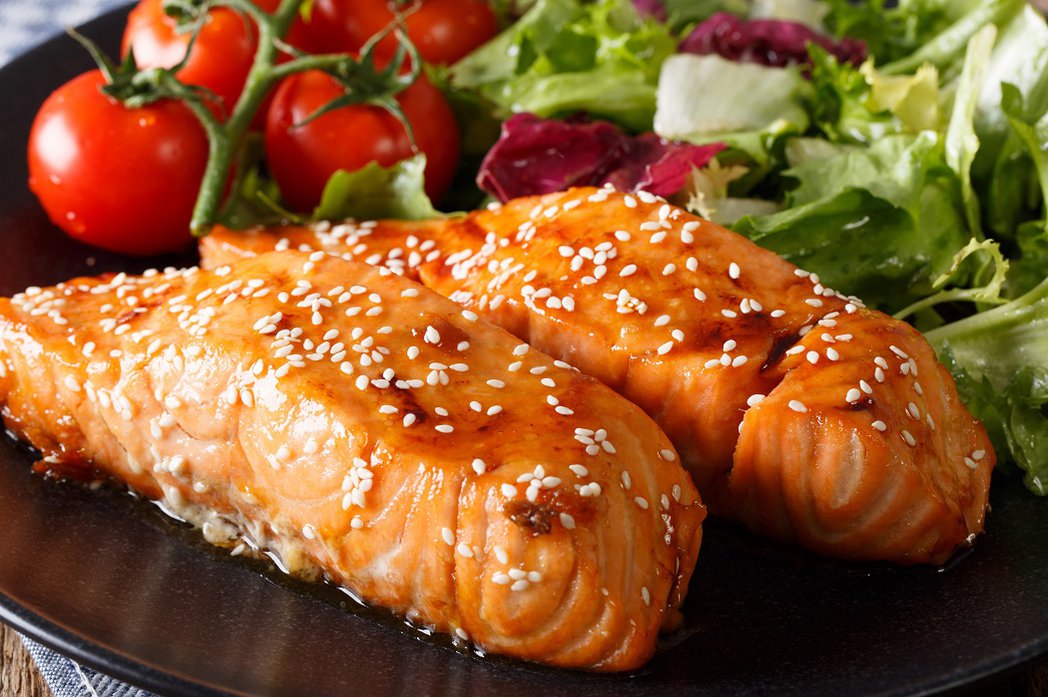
pixel 999 359
pixel 881 222
pixel 565 56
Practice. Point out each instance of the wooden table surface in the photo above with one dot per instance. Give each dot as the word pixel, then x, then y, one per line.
pixel 20 678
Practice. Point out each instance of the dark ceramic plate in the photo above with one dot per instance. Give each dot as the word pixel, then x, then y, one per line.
pixel 108 580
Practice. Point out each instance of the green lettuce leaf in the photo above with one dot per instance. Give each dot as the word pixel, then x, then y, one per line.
pixel 565 56
pixel 681 13
pixel 881 222
pixel 946 49
pixel 1020 58
pixel 863 105
pixel 1030 123
pixel 703 95
pixel 962 143
pixel 811 13
pixel 1032 265
pixel 999 359
pixel 376 192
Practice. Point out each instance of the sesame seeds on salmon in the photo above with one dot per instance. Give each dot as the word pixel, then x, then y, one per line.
pixel 698 326
pixel 369 431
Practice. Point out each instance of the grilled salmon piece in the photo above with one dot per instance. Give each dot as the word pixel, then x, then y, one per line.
pixel 690 321
pixel 370 431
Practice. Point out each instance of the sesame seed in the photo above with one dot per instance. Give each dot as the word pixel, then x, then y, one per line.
pixel 865 387
pixel 978 454
pixel 730 345
pixel 797 406
pixel 509 491
pixel 754 399
pixel 448 536
pixel 699 295
pixel 628 270
pixel 409 419
pixel 641 501
pixel 479 466
pixel 832 354
pixel 665 348
pixel 853 395
pixel 908 437
pixel 880 425
pixel 734 271
pixel 444 428
pixel 645 595
pixel 567 521
pixel 812 356
pixel 667 455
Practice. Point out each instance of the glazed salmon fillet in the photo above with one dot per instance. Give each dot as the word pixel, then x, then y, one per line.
pixel 367 430
pixel 860 448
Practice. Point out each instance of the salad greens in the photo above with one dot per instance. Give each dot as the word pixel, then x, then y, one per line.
pixel 1000 361
pixel 564 56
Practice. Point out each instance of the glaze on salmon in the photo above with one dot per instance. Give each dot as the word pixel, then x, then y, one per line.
pixel 697 325
pixel 370 431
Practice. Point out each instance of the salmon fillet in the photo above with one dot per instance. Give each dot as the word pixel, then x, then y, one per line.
pixel 369 431
pixel 696 325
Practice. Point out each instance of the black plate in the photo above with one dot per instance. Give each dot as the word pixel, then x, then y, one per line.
pixel 106 579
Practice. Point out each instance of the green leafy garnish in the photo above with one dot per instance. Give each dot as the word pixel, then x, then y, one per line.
pixel 375 192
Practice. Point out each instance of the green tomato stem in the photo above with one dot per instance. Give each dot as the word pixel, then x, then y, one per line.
pixel 225 139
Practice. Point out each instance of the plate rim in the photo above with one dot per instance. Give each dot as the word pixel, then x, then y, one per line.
pixel 70 644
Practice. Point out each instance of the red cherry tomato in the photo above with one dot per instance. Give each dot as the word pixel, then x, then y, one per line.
pixel 122 179
pixel 221 57
pixel 443 30
pixel 303 157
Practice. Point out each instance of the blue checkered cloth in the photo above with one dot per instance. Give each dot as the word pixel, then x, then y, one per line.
pixel 67 678
pixel 23 24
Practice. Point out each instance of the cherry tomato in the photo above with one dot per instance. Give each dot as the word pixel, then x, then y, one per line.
pixel 221 57
pixel 122 179
pixel 303 157
pixel 443 30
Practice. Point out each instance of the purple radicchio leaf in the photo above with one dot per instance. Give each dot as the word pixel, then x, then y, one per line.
pixel 539 156
pixel 651 8
pixel 771 42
